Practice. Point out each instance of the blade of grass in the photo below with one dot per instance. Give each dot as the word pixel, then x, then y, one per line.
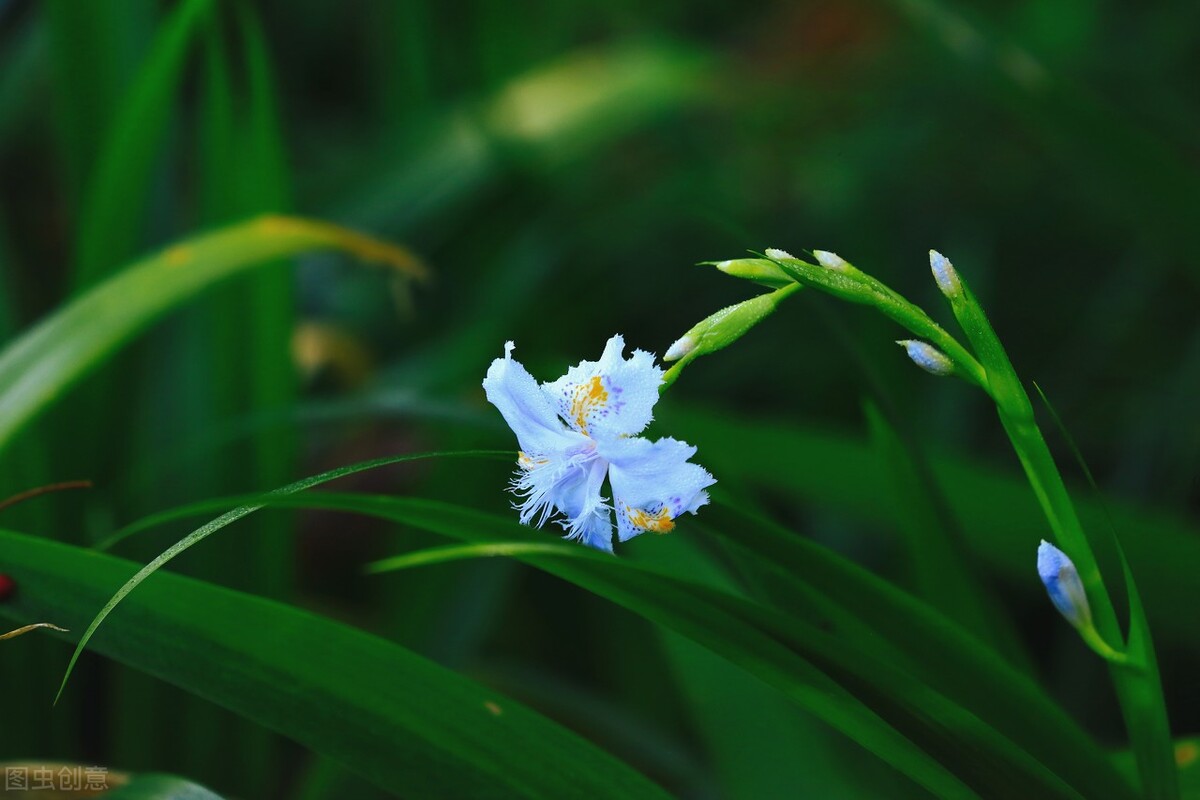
pixel 116 194
pixel 941 567
pixel 752 637
pixel 934 647
pixel 39 366
pixel 405 723
pixel 94 49
pixel 241 337
pixel 1142 703
pixel 821 671
pixel 458 552
pixel 269 305
pixel 1139 691
pixel 204 532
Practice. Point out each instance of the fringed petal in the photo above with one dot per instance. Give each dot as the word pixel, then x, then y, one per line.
pixel 568 491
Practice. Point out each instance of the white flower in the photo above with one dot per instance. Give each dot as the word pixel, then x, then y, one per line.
pixel 581 428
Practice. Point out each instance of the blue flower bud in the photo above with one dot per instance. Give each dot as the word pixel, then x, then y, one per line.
pixel 927 357
pixel 1064 586
pixel 945 274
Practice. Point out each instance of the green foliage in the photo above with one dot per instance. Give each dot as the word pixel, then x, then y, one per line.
pixel 400 720
pixel 856 615
pixel 40 365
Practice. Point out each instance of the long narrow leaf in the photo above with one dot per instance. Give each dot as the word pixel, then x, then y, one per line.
pixel 891 713
pixel 116 194
pixel 405 723
pixel 39 366
pixel 200 534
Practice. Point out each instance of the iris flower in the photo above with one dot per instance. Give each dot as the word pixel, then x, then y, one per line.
pixel 582 428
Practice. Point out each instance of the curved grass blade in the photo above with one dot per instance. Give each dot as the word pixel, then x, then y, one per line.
pixel 1141 683
pixel 869 700
pixel 202 533
pixel 458 552
pixel 906 722
pixel 941 570
pixel 37 368
pixel 901 629
pixel 401 721
pixel 732 705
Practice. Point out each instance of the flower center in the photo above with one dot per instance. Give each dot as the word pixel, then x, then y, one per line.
pixel 586 398
pixel 659 522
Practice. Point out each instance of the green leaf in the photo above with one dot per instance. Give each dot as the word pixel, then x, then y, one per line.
pixel 458 552
pixel 95 51
pixel 407 724
pixel 117 191
pixel 202 533
pixel 1140 688
pixel 1138 681
pixel 941 571
pixel 37 368
pixel 821 671
pixel 876 702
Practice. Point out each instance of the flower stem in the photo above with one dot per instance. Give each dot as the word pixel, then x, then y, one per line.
pixel 1132 664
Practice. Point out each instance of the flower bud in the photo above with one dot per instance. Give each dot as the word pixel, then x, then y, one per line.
pixel 682 346
pixel 927 357
pixel 830 260
pixel 755 269
pixel 945 274
pixel 779 254
pixel 726 326
pixel 1062 582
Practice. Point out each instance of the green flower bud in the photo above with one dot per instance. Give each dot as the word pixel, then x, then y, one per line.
pixel 722 329
pixel 830 260
pixel 758 270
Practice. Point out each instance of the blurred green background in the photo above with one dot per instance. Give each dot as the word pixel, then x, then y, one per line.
pixel 561 167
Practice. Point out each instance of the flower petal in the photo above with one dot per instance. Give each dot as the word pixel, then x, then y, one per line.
pixel 653 483
pixel 525 408
pixel 611 397
pixel 569 488
pixel 588 517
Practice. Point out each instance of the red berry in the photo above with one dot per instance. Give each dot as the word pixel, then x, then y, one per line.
pixel 7 587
